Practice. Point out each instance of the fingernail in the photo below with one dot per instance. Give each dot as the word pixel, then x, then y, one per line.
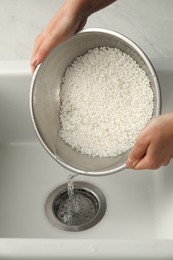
pixel 130 163
pixel 34 62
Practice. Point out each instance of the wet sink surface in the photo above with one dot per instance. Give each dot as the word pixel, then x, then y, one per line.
pixel 139 204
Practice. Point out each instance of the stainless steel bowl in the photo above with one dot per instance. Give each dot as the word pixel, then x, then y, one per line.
pixel 45 102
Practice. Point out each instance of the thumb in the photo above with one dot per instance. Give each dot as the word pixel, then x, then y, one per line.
pixel 137 153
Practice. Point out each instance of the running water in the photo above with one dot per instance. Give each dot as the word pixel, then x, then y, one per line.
pixel 70 185
pixel 74 208
pixel 73 198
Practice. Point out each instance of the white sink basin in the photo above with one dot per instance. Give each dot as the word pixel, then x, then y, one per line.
pixel 138 223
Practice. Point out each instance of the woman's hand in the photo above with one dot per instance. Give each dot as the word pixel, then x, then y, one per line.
pixel 154 145
pixel 70 18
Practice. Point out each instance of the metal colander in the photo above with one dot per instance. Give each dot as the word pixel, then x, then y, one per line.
pixel 45 101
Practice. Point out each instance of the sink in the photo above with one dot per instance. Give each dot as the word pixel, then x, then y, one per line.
pixel 138 222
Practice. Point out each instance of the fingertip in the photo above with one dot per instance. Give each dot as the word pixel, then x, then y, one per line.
pixel 34 62
pixel 130 163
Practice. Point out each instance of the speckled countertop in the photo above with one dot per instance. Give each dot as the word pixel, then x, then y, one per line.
pixel 149 23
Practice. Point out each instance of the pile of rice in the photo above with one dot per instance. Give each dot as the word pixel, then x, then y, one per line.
pixel 106 100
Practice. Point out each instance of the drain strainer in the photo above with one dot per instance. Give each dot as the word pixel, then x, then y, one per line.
pixel 84 209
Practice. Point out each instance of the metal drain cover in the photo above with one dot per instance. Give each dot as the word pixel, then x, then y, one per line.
pixel 80 212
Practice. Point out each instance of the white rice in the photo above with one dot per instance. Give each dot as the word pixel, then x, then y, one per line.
pixel 106 100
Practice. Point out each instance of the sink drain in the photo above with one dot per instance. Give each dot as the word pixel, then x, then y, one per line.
pixel 84 209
